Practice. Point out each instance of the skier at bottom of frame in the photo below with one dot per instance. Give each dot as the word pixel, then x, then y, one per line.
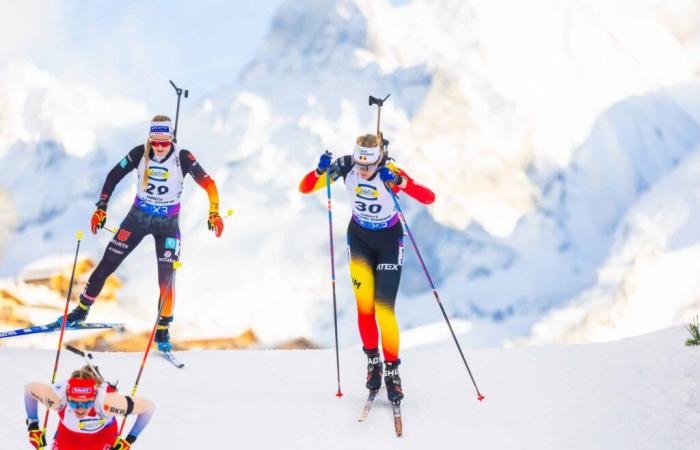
pixel 87 407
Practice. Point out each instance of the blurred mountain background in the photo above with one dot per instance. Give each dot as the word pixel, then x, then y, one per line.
pixel 562 139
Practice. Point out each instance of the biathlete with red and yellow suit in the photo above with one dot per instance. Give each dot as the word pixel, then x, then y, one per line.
pixel 375 243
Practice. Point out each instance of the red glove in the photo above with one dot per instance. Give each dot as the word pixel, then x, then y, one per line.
pixel 36 436
pixel 216 223
pixel 123 444
pixel 99 217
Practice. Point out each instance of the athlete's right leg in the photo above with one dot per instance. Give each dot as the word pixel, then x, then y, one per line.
pixel 363 284
pixel 124 241
pixel 362 274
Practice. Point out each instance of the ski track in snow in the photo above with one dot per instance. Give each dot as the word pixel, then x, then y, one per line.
pixel 635 394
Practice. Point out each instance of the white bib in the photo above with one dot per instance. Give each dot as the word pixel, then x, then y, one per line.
pixel 165 181
pixel 372 205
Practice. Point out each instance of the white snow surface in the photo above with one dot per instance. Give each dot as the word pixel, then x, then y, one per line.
pixel 640 393
pixel 539 124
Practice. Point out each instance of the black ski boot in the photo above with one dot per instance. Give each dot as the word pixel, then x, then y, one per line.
pixel 163 334
pixel 374 369
pixel 79 313
pixel 393 381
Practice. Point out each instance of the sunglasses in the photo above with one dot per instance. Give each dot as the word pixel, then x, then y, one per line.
pixel 161 144
pixel 367 166
pixel 81 405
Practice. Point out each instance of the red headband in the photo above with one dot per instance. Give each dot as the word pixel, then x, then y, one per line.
pixel 81 389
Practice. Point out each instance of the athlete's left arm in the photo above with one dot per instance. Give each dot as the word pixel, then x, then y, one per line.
pixel 190 165
pixel 410 187
pixel 120 405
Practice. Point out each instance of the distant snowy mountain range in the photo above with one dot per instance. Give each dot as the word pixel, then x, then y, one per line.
pixel 561 140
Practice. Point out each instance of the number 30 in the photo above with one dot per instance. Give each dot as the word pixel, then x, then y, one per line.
pixel 362 206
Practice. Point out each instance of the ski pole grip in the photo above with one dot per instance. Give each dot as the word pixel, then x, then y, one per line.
pixel 79 235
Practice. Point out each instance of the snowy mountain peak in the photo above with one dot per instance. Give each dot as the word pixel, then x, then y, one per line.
pixel 39 107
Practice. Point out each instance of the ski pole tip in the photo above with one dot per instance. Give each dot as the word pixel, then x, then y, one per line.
pixel 79 235
pixel 480 398
pixel 338 394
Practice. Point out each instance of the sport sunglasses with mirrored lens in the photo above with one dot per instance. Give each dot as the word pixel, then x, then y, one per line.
pixel 81 405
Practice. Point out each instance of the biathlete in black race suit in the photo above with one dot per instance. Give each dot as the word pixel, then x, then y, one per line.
pixel 375 243
pixel 161 166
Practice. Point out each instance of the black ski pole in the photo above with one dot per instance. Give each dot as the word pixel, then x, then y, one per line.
pixel 479 397
pixel 179 92
pixel 335 310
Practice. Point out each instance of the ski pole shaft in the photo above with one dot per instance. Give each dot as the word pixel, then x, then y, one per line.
pixel 79 238
pixel 335 309
pixel 176 265
pixel 479 397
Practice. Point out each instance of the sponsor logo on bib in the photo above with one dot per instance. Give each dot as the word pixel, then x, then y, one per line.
pixel 367 192
pixel 158 173
pixel 91 424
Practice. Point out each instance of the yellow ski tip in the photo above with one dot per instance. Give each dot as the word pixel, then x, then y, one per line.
pixel 177 265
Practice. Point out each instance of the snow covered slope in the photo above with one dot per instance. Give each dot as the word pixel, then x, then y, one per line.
pixel 539 124
pixel 634 394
